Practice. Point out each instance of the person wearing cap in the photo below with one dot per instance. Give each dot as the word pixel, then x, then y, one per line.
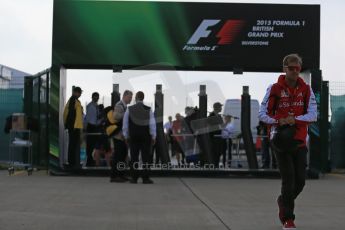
pixel 73 121
pixel 215 121
pixel 288 107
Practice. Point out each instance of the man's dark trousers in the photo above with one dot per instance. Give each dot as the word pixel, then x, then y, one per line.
pixel 140 145
pixel 74 148
pixel 91 141
pixel 292 167
pixel 218 145
pixel 119 157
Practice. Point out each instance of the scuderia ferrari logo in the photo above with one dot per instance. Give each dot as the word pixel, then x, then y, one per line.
pixel 226 35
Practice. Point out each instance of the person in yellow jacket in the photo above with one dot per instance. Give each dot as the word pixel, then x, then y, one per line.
pixel 73 121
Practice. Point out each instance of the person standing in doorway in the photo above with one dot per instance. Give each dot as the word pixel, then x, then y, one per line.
pixel 73 121
pixel 265 148
pixel 216 125
pixel 177 140
pixel 168 133
pixel 227 133
pixel 139 130
pixel 120 147
pixel 93 127
pixel 288 107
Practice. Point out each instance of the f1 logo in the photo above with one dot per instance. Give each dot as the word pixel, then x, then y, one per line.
pixel 202 31
pixel 226 35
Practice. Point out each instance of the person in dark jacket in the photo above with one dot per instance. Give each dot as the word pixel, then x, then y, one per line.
pixel 139 131
pixel 120 147
pixel 288 107
pixel 73 121
pixel 216 125
pixel 93 127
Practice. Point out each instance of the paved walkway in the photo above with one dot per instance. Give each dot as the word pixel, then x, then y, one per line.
pixel 42 202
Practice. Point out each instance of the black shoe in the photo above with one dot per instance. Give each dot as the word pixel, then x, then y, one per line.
pixel 67 166
pixel 117 180
pixel 147 181
pixel 77 167
pixel 72 167
pixel 125 178
pixel 133 181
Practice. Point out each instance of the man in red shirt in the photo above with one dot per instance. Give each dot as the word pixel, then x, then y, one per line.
pixel 288 107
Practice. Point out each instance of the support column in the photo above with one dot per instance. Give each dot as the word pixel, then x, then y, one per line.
pixel 115 95
pixel 246 129
pixel 162 150
pixel 204 141
pixel 28 94
pixel 314 128
pixel 324 127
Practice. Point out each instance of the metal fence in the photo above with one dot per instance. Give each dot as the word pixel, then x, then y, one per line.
pixel 337 105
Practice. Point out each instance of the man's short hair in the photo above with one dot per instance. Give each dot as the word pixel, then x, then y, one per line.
pixel 127 92
pixel 292 58
pixel 140 96
pixel 77 89
pixel 217 105
pixel 95 94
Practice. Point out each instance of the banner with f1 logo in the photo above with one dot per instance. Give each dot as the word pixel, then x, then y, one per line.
pixel 184 35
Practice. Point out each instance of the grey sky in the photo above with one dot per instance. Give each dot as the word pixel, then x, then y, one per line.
pixel 26 36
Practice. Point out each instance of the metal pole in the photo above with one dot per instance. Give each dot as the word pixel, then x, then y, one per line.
pixel 162 150
pixel 204 141
pixel 324 127
pixel 246 129
pixel 115 95
pixel 314 129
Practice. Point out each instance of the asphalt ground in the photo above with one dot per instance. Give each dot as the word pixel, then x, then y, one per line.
pixel 48 202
